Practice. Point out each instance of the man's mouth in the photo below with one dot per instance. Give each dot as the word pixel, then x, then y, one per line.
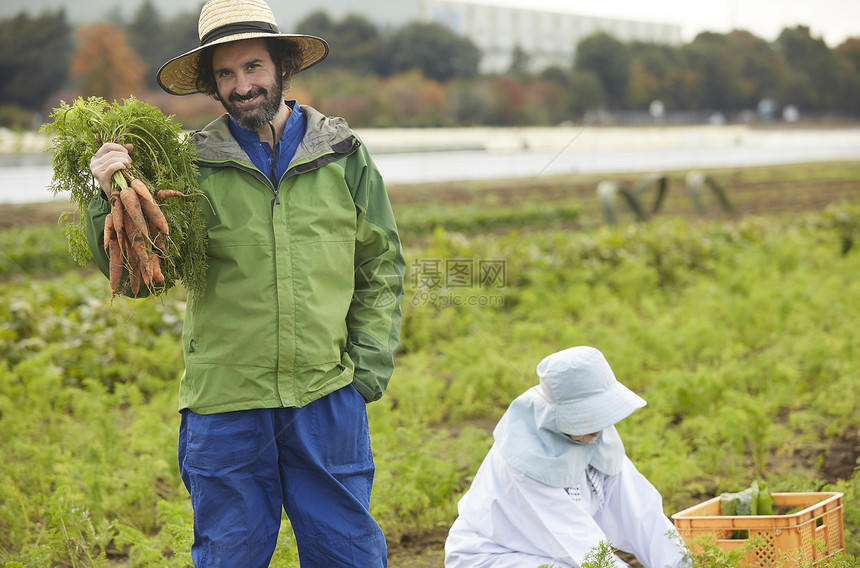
pixel 248 98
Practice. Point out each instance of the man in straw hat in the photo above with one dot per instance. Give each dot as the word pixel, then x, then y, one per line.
pixel 298 325
pixel 556 482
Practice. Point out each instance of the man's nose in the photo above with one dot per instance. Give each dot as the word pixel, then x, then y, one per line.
pixel 243 84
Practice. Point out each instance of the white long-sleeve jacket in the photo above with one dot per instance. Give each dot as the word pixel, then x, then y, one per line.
pixel 509 520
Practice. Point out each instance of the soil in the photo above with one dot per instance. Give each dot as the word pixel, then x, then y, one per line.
pixel 747 192
pixel 840 460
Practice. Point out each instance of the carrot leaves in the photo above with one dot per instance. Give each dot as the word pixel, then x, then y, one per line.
pixel 163 157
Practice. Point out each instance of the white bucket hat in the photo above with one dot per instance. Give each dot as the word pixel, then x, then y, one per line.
pixel 577 395
pixel 580 383
pixel 223 21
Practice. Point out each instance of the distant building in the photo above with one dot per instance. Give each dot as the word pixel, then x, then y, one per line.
pixel 548 38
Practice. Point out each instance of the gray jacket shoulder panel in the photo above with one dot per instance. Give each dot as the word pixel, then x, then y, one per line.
pixel 324 135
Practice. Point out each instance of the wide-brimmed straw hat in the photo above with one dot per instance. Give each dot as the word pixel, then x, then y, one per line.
pixel 223 21
pixel 582 386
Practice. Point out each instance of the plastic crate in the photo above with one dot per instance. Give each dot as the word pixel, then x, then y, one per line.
pixel 809 535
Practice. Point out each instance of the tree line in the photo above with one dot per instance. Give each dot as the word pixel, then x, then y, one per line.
pixel 422 74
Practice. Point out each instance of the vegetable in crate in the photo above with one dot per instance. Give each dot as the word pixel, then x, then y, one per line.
pixel 754 500
pixel 152 242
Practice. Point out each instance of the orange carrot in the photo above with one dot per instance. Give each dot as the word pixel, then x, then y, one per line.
pixel 129 228
pixel 155 268
pixel 109 231
pixel 134 279
pixel 144 267
pixel 138 244
pixel 149 206
pixel 153 212
pixel 159 243
pixel 116 210
pixel 131 203
pixel 115 264
pixel 167 193
pixel 140 188
pixel 133 269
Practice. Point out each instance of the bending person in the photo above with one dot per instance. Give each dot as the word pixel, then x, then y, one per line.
pixel 556 482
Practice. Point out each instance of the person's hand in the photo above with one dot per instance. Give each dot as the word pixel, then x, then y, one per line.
pixel 108 160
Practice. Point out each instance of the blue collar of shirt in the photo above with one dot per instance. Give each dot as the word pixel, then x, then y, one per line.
pixel 260 153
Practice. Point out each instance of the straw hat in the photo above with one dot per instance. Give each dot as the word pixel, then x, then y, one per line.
pixel 223 21
pixel 580 384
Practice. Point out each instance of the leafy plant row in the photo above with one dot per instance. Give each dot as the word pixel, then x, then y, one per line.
pixel 42 249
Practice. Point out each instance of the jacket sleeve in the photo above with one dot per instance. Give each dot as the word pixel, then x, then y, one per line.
pixel 511 520
pixel 633 518
pixel 97 209
pixel 373 320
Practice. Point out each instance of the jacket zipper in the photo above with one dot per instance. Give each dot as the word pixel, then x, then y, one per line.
pixel 273 172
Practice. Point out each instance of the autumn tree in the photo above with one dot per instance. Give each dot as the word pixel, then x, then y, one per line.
pixel 317 23
pixel 815 79
pixel 849 51
pixel 762 73
pixel 712 73
pixel 586 92
pixel 432 49
pixel 519 63
pixel 848 55
pixel 656 72
pixel 104 65
pixel 157 39
pixel 354 42
pixel 34 58
pixel 609 60
pixel 143 33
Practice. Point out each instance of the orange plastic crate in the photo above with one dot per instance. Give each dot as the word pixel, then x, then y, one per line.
pixel 809 535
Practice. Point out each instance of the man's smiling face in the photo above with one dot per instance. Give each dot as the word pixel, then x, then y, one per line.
pixel 249 86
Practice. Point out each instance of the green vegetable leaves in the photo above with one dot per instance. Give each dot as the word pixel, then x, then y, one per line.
pixel 754 500
pixel 163 157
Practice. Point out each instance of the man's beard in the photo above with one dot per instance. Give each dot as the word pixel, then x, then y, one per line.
pixel 253 118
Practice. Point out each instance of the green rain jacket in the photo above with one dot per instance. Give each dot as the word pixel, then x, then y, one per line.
pixel 304 282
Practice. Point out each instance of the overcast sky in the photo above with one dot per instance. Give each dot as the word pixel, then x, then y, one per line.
pixel 833 20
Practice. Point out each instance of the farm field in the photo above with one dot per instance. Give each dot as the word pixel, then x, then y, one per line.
pixel 739 329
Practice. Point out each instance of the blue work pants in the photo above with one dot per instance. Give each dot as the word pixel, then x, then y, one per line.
pixel 241 467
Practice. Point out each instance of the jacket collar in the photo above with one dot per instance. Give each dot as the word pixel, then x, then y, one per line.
pixel 324 135
pixel 530 441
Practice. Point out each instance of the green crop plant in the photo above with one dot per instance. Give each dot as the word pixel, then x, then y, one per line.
pixel 415 221
pixel 601 556
pixel 844 218
pixel 740 334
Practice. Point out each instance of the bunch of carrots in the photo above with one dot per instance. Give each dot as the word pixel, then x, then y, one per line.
pixel 136 233
pixel 146 255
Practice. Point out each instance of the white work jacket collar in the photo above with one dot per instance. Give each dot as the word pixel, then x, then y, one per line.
pixel 529 440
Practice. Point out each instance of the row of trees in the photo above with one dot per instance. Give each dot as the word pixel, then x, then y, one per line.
pixel 422 74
